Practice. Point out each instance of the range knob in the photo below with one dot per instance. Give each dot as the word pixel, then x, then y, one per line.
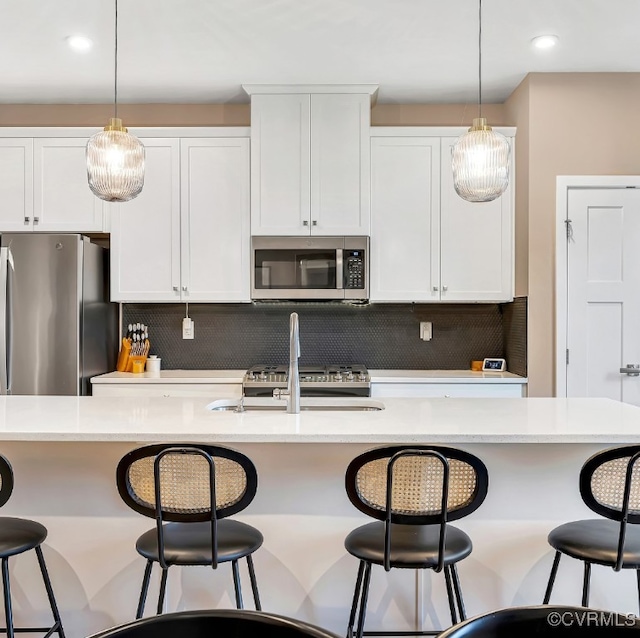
pixel 262 376
pixel 338 376
pixel 362 377
pixel 251 376
pixel 349 376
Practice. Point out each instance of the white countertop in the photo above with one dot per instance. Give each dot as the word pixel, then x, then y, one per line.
pixel 136 419
pixel 172 376
pixel 377 376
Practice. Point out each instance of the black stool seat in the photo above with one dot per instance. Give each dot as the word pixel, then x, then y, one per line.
pixel 190 543
pixel 596 541
pixel 19 535
pixel 412 546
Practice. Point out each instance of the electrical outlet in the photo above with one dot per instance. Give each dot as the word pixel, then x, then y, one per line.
pixel 187 328
pixel 426 330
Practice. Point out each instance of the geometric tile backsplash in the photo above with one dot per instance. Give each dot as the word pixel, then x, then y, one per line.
pixel 380 336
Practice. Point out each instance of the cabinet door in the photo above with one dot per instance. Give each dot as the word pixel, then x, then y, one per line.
pixel 63 200
pixel 476 242
pixel 145 232
pixel 215 219
pixel 16 184
pixel 280 195
pixel 405 233
pixel 340 164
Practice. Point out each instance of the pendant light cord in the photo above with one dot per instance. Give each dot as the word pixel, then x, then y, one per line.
pixel 479 58
pixel 115 81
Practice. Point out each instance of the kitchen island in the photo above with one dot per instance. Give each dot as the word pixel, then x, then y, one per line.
pixel 64 452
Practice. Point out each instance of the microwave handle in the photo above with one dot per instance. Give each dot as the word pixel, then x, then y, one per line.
pixel 339 269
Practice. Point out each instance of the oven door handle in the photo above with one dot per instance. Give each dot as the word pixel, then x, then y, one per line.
pixel 339 269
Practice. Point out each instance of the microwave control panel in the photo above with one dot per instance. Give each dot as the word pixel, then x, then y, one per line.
pixel 354 269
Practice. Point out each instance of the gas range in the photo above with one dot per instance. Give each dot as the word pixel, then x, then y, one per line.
pixel 315 381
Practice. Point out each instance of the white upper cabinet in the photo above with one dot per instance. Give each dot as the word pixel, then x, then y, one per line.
pixel 428 244
pixel 63 200
pixel 476 242
pixel 44 187
pixel 405 219
pixel 186 236
pixel 16 184
pixel 215 219
pixel 145 232
pixel 310 161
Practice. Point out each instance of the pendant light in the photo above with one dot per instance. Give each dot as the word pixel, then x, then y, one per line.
pixel 480 157
pixel 115 157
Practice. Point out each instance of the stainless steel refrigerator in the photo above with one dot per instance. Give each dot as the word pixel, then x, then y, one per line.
pixel 57 326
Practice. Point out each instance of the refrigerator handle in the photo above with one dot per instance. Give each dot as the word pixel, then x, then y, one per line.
pixel 4 272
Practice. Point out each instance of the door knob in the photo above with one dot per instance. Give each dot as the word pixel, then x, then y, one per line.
pixel 632 369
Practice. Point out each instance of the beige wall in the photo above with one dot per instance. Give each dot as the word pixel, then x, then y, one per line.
pixel 228 114
pixel 579 124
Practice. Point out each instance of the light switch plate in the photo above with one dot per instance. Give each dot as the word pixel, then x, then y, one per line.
pixel 187 328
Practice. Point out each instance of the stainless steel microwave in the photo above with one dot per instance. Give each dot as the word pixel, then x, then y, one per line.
pixel 309 267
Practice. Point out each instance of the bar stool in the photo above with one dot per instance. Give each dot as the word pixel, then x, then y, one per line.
pixel 413 492
pixel 178 485
pixel 216 622
pixel 19 535
pixel 559 622
pixel 610 486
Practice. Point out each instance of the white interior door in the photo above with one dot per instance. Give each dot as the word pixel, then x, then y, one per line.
pixel 603 292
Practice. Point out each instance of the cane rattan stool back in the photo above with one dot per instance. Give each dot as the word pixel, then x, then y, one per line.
pixel 409 481
pixel 610 483
pixel 178 482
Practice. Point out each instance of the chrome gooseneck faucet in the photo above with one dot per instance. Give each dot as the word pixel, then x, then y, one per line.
pixel 292 393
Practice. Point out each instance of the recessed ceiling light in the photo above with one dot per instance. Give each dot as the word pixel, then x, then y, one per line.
pixel 545 41
pixel 79 43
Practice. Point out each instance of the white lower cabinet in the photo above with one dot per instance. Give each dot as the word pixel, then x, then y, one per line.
pixel 212 390
pixel 459 390
pixel 186 236
pixel 428 244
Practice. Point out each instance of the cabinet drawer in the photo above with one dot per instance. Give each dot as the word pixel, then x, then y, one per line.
pixel 434 390
pixel 209 390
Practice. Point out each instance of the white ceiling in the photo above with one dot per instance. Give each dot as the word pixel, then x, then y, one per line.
pixel 204 50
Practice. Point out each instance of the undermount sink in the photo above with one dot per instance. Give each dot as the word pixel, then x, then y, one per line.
pixel 256 404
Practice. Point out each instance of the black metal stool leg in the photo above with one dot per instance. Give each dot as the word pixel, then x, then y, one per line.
pixel 456 586
pixel 356 596
pixel 638 579
pixel 6 589
pixel 585 584
pixel 363 599
pixel 52 600
pixel 145 589
pixel 236 584
pixel 552 578
pixel 452 606
pixel 163 589
pixel 254 583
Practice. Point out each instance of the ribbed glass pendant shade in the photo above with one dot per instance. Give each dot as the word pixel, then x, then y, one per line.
pixel 115 163
pixel 480 163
